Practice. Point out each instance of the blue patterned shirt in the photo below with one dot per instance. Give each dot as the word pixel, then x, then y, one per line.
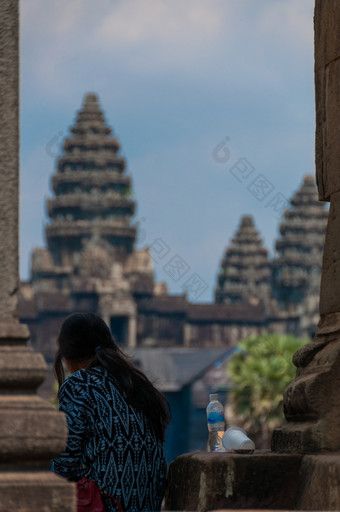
pixel 110 442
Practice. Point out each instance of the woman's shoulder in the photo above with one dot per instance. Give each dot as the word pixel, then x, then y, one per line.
pixel 92 382
pixel 84 376
pixel 76 378
pixel 76 383
pixel 83 386
pixel 101 378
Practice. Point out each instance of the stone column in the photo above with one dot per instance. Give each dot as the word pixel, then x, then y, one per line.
pixel 132 331
pixel 187 334
pixel 32 432
pixel 312 400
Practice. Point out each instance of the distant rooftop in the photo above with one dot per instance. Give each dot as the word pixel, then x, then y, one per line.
pixel 173 368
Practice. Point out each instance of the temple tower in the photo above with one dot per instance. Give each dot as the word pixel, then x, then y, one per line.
pixel 297 265
pixel 245 269
pixel 92 192
pixel 90 237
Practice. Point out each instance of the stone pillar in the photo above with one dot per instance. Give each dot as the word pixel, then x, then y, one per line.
pixel 132 331
pixel 187 334
pixel 312 400
pixel 32 432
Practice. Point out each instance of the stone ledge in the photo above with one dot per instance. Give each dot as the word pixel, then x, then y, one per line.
pixel 21 368
pixel 30 429
pixel 13 331
pixel 319 482
pixel 19 490
pixel 264 480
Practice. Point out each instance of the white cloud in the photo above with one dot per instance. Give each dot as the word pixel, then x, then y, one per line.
pixel 200 39
pixel 161 22
pixel 290 21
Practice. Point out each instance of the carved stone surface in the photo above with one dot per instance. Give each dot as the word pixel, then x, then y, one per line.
pixel 21 369
pixel 327 95
pixel 312 401
pixel 33 492
pixel 9 144
pixel 211 481
pixel 32 432
pixel 216 481
pixel 31 429
pixel 330 281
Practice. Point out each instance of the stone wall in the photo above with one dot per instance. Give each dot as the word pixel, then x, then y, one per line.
pixel 212 481
pixel 327 96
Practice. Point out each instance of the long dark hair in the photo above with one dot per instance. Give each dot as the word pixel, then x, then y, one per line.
pixel 84 337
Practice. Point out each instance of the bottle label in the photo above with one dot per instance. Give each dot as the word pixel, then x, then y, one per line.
pixel 215 417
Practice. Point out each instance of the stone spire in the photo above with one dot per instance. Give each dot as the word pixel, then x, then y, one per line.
pixel 92 192
pixel 245 269
pixel 297 265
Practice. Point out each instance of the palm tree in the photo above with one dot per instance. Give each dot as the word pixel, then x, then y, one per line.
pixel 260 371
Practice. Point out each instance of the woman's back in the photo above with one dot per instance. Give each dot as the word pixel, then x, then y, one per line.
pixel 110 442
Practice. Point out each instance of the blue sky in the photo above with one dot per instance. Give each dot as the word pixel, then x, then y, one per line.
pixel 175 78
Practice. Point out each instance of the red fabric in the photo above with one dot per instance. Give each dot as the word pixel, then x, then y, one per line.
pixel 89 497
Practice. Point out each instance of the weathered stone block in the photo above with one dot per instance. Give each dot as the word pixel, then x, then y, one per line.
pixel 209 481
pixel 18 491
pixel 30 428
pixel 319 483
pixel 21 368
pixel 330 280
pixel 312 401
pixel 327 96
pixel 9 157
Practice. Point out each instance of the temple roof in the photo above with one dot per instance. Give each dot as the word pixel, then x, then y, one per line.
pixel 243 312
pixel 167 304
pixel 173 368
pixel 299 248
pixel 304 224
pixel 90 118
pixel 92 192
pixel 245 268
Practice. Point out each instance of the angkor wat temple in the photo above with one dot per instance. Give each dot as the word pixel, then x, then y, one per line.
pixel 90 261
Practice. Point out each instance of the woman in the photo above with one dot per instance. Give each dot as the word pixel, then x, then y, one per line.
pixel 116 417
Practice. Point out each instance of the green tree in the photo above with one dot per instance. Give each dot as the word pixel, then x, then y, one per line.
pixel 260 371
pixel 54 398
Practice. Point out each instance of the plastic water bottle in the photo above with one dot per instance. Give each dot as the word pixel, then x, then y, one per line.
pixel 216 425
